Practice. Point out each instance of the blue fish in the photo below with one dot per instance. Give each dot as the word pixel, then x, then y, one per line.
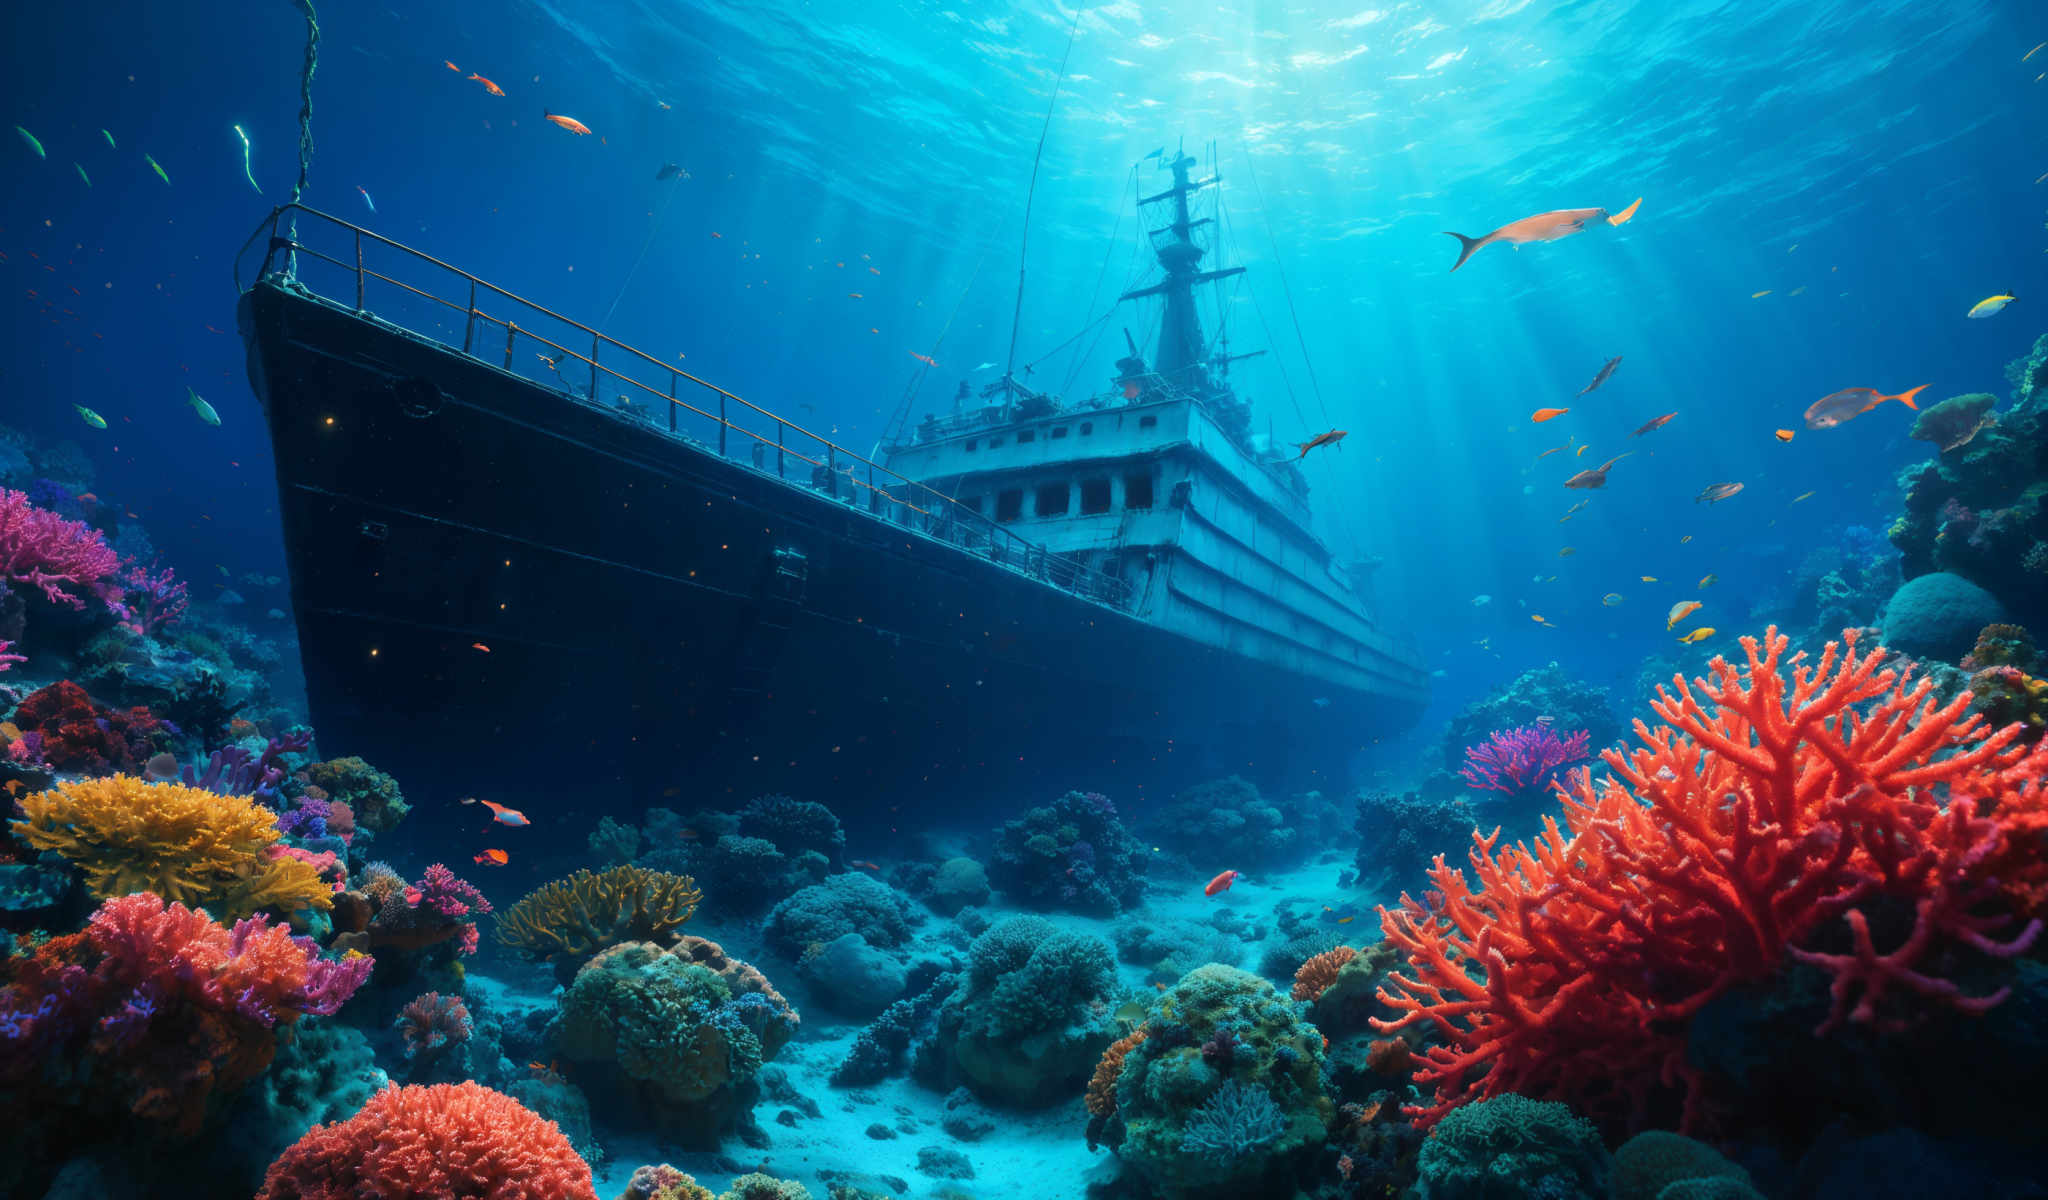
pixel 366 197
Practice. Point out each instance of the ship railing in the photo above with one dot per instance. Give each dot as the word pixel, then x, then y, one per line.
pixel 303 247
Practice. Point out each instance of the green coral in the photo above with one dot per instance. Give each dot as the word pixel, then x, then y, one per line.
pixel 1032 1015
pixel 370 794
pixel 1510 1147
pixel 1649 1165
pixel 1221 1031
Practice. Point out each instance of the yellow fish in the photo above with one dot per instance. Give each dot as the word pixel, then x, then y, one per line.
pixel 1698 635
pixel 1709 580
pixel 1649 579
pixel 1801 496
pixel 1538 618
pixel 1760 295
pixel 1680 611
pixel 1988 306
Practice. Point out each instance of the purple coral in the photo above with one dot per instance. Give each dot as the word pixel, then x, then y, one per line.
pixel 308 820
pixel 44 550
pixel 1521 760
pixel 149 600
pixel 233 771
pixel 439 894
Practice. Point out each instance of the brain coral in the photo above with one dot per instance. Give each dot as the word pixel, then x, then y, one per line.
pixel 183 843
pixel 685 1032
pixel 447 1140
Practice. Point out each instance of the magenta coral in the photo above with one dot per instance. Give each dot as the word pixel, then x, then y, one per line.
pixel 56 555
pixel 8 659
pixel 1519 760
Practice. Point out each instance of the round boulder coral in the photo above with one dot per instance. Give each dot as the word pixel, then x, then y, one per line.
pixel 1938 616
pixel 1510 1147
pixel 1029 1021
pixel 841 905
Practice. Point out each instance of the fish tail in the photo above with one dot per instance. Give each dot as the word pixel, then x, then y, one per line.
pixel 1906 397
pixel 1466 247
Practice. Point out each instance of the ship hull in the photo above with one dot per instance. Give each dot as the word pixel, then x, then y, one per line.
pixel 506 590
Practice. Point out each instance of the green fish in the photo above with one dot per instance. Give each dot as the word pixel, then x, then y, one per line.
pixel 110 140
pixel 82 174
pixel 246 171
pixel 91 418
pixel 156 166
pixel 30 138
pixel 200 406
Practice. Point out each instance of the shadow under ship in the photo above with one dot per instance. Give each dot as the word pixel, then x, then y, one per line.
pixel 687 593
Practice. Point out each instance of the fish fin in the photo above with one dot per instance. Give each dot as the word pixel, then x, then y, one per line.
pixel 1466 247
pixel 1906 398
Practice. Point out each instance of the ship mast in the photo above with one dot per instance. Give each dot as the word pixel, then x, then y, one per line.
pixel 1184 363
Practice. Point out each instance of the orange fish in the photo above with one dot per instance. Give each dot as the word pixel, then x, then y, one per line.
pixel 1545 414
pixel 1220 884
pixel 569 123
pixel 1839 407
pixel 480 646
pixel 451 66
pixel 926 359
pixel 1543 227
pixel 864 864
pixel 1594 477
pixel 1654 423
pixel 498 857
pixel 493 88
pixel 1783 435
pixel 499 813
pixel 1322 439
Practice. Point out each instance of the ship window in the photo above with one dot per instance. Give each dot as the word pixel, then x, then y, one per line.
pixel 1058 432
pixel 1094 496
pixel 1148 421
pixel 1009 504
pixel 1026 435
pixel 1138 491
pixel 973 444
pixel 1052 499
pixel 994 442
pixel 1087 427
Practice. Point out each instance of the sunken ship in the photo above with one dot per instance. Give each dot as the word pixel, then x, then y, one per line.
pixel 554 559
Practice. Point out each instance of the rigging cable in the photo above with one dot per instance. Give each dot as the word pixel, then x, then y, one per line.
pixel 1285 290
pixel 1230 229
pixel 653 228
pixel 1024 241
pixel 1108 252
pixel 901 416
pixel 312 63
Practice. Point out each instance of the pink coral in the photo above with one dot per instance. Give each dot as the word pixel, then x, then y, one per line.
pixel 432 1022
pixel 432 1143
pixel 1522 760
pixel 6 659
pixel 52 553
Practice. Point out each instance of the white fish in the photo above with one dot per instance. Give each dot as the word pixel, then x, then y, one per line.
pixel 985 367
pixel 200 406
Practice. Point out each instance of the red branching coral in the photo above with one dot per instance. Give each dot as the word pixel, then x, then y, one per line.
pixel 432 1022
pixel 1767 809
pixel 432 1143
pixel 52 553
pixel 75 734
pixel 159 1007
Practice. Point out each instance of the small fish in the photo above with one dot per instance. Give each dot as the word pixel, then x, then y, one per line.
pixel 987 366
pixel 200 406
pixel 668 170
pixel 855 296
pixel 480 647
pixel 1581 451
pixel 1653 423
pixel 1714 493
pixel 495 90
pixel 1576 507
pixel 1801 496
pixel 1709 580
pixel 1594 477
pixel 1783 435
pixel 1481 600
pixel 1540 620
pixel 926 359
pixel 2033 52
pixel 864 864
pixel 82 174
pixel 499 813
pixel 110 140
pixel 1548 453
pixel 569 123
pixel 1605 372
pixel 1321 702
pixel 1837 408
pixel 1649 578
pixel 1760 295
pixel 247 172
pixel 494 856
pixel 30 138
pixel 874 270
pixel 1688 537
pixel 1130 1012
pixel 1543 227
pixel 1568 551
pixel 1698 635
pixel 1680 611
pixel 1989 306
pixel 158 167
pixel 91 418
pixel 718 235
pixel 1547 414
pixel 366 197
pixel 688 834
pixel 1611 599
pixel 1346 920
pixel 1331 438
pixel 1220 884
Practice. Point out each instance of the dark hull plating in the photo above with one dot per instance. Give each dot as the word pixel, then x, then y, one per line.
pixel 541 596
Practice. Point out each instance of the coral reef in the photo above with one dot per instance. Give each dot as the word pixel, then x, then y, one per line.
pixel 1521 762
pixel 390 914
pixel 881 1048
pixel 794 826
pixel 184 844
pixel 1772 808
pixel 1652 1161
pixel 63 559
pixel 1956 421
pixel 157 1010
pixel 1030 1017
pixel 843 904
pixel 1071 854
pixel 1228 812
pixel 432 1022
pixel 369 793
pixel 569 920
pixel 1510 1147
pixel 1398 834
pixel 681 1034
pixel 1223 1096
pixel 1546 692
pixel 458 1139
pixel 62 728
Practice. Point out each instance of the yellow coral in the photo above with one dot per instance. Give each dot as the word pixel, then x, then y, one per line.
pixel 183 843
pixel 591 911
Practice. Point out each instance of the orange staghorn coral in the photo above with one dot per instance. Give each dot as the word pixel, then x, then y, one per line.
pixel 186 844
pixel 1778 803
pixel 582 914
pixel 1102 1088
pixel 1315 976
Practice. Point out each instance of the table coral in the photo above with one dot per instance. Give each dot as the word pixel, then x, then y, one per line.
pixel 441 1141
pixel 570 919
pixel 1775 804
pixel 184 844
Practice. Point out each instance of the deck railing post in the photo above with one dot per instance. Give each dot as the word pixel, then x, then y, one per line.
pixel 595 339
pixel 780 428
pixel 511 331
pixel 831 471
pixel 469 326
pixel 672 412
pixel 359 270
pixel 723 425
